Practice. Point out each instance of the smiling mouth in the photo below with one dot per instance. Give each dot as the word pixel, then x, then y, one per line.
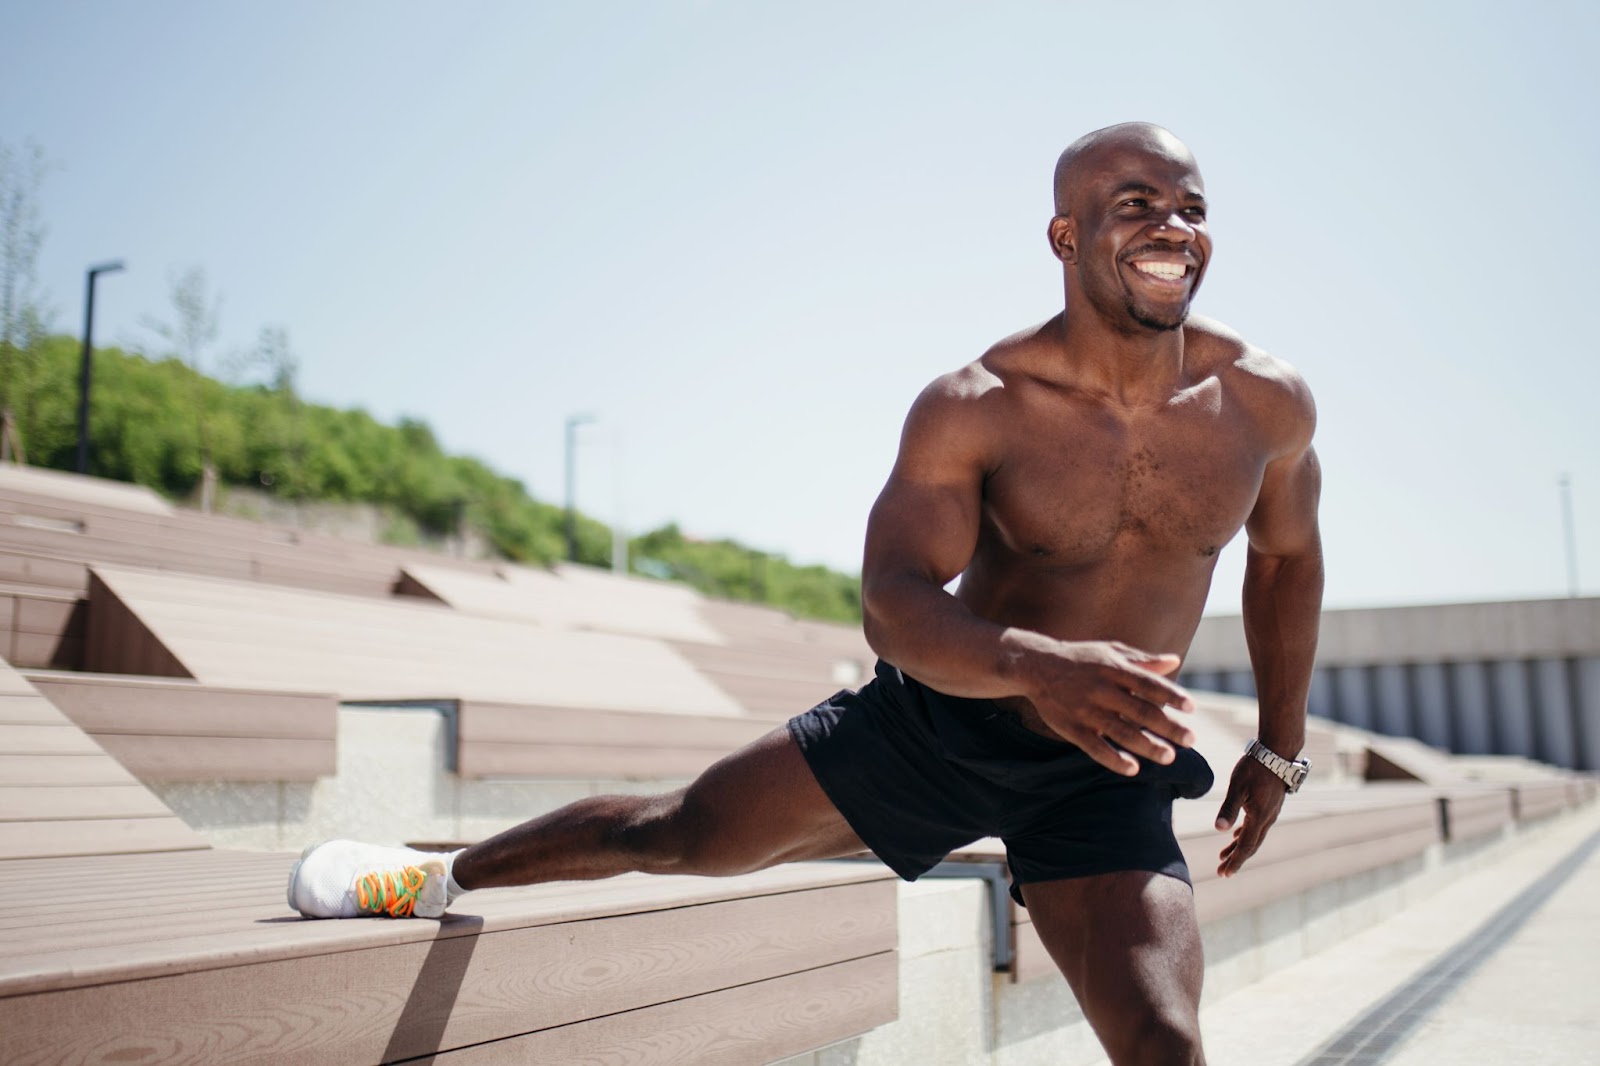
pixel 1168 272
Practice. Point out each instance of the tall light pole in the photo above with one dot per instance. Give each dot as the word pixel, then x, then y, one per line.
pixel 1569 529
pixel 86 368
pixel 573 422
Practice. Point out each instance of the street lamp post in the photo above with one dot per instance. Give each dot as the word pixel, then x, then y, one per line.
pixel 573 422
pixel 1569 534
pixel 86 368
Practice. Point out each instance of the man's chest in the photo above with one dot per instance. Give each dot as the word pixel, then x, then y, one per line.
pixel 1073 494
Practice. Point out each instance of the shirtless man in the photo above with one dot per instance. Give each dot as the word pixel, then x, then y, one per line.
pixel 1081 478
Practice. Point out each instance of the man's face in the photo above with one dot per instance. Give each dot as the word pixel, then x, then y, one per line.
pixel 1141 240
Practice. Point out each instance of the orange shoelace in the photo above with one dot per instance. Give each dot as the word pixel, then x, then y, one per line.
pixel 393 892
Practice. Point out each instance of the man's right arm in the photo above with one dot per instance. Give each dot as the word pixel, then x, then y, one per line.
pixel 923 531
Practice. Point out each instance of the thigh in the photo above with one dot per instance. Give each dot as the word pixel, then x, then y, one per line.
pixel 1128 944
pixel 760 806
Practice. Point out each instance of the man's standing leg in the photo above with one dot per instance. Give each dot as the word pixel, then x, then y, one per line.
pixel 1128 944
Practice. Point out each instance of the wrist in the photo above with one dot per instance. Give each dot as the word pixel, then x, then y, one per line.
pixel 1022 652
pixel 1287 743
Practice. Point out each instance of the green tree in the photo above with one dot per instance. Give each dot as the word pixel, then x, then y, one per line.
pixel 189 337
pixel 24 317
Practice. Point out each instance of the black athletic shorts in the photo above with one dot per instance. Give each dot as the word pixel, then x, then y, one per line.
pixel 918 774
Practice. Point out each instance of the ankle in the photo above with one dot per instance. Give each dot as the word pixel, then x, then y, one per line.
pixel 453 887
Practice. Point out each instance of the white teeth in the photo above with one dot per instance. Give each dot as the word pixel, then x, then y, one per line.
pixel 1170 271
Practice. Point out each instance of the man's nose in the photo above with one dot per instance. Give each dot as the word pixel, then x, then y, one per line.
pixel 1174 227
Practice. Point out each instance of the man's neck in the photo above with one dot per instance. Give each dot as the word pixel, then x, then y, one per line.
pixel 1139 369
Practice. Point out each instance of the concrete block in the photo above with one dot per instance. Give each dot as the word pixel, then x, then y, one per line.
pixel 945 980
pixel 1039 1024
pixel 229 814
pixel 1280 933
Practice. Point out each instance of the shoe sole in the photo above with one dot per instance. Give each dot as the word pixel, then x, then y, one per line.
pixel 432 897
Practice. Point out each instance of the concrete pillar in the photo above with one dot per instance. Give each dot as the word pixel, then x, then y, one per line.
pixel 1321 700
pixel 1553 708
pixel 1393 697
pixel 1354 696
pixel 1513 708
pixel 1470 698
pixel 1239 682
pixel 1587 678
pixel 1430 692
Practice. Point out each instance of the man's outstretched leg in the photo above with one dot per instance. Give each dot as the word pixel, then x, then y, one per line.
pixel 755 808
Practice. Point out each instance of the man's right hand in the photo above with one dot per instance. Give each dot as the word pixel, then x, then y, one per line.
pixel 1112 701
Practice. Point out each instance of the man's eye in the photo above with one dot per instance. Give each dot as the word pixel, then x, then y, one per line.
pixel 1136 202
pixel 1196 213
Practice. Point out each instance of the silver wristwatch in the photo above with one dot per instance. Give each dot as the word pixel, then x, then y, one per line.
pixel 1292 771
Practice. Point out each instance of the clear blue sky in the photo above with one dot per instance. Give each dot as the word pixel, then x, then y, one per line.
pixel 745 235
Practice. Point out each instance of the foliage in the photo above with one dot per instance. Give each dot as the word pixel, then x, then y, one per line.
pixel 24 318
pixel 728 569
pixel 144 429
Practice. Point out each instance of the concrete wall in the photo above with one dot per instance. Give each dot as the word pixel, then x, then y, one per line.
pixel 1524 629
pixel 1480 678
pixel 391 786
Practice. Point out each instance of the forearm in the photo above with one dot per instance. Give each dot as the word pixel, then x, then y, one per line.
pixel 1282 605
pixel 934 637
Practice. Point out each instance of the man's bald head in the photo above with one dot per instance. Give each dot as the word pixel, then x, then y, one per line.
pixel 1078 159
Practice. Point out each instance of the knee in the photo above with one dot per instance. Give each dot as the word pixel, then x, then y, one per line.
pixel 1159 1038
pixel 670 835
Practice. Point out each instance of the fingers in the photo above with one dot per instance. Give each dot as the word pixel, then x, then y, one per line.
pixel 1158 719
pixel 1103 752
pixel 1137 741
pixel 1229 812
pixel 1246 839
pixel 1142 677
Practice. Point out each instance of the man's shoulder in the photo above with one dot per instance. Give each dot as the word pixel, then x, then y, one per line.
pixel 985 378
pixel 1244 366
pixel 1269 386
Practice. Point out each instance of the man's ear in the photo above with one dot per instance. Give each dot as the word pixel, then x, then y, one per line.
pixel 1063 238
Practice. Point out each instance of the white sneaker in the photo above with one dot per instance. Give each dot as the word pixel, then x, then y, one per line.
pixel 348 879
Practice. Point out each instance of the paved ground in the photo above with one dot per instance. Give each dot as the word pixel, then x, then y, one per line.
pixel 1502 966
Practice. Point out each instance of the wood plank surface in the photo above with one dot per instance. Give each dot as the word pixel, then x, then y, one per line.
pixel 92 801
pixel 191 758
pixel 399 1000
pixel 256 636
pixel 44 650
pixel 760 1022
pixel 62 770
pixel 19 708
pixel 491 723
pixel 103 704
pixel 278 935
pixel 119 642
pixel 59 739
pixel 583 760
pixel 43 839
pixel 47 571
